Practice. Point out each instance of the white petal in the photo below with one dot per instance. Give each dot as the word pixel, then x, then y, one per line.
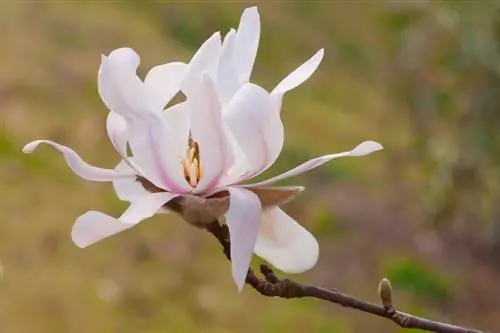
pixel 204 61
pixel 362 149
pixel 255 123
pixel 164 81
pixel 178 117
pixel 243 222
pixel 128 189
pixel 238 165
pixel 78 165
pixel 119 133
pixel 227 78
pixel 366 148
pixel 299 75
pixel 153 145
pixel 284 243
pixel 206 129
pixel 116 127
pixel 121 89
pixel 247 42
pixel 94 226
pixel 127 57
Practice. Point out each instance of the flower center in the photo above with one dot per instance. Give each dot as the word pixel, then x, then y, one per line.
pixel 191 163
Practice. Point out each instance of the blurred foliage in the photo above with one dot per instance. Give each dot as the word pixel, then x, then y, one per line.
pixel 421 77
pixel 411 275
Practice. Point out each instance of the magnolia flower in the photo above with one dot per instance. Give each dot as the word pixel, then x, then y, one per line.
pixel 194 157
pixel 230 63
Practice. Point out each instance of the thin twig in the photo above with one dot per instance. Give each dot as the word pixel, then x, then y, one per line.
pixel 272 286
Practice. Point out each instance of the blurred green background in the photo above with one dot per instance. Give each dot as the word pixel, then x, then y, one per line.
pixel 421 77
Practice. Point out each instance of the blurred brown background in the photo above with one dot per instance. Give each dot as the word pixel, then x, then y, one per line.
pixel 421 77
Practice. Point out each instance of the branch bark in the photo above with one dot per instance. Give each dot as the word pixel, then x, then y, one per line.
pixel 272 286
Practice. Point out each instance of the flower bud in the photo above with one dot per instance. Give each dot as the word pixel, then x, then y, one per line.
pixel 385 292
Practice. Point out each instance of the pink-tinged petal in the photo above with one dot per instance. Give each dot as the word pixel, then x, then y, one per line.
pixel 128 189
pixel 164 81
pixel 227 78
pixel 362 149
pixel 254 120
pixel 121 89
pixel 298 76
pixel 93 226
pixel 284 243
pixel 153 146
pixel 242 220
pixel 178 115
pixel 118 133
pixel 204 61
pixel 78 165
pixel 206 129
pixel 238 165
pixel 247 42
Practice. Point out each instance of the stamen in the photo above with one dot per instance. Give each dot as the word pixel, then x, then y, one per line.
pixel 191 163
pixel 192 152
pixel 200 171
pixel 197 168
pixel 193 181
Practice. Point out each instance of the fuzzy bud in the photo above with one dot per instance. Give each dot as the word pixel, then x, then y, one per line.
pixel 385 293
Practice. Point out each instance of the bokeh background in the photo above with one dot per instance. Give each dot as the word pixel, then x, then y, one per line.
pixel 421 77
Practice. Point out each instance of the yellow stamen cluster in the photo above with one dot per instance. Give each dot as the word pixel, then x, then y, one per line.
pixel 193 170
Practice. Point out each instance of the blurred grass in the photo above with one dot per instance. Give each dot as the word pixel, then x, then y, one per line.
pixel 163 276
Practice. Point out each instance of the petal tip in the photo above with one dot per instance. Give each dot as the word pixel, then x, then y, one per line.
pixel 239 286
pixel 366 147
pixel 216 35
pixel 30 147
pixel 253 10
pixel 78 233
pixel 239 279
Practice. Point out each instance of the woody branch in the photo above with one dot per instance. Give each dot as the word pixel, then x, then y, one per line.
pixel 271 286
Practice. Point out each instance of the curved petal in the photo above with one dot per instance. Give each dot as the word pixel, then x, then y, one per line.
pixel 298 76
pixel 254 121
pixel 206 129
pixel 147 162
pixel 284 243
pixel 118 133
pixel 121 89
pixel 78 165
pixel 204 61
pixel 127 57
pixel 178 115
pixel 116 126
pixel 164 81
pixel 227 79
pixel 128 189
pixel 238 166
pixel 93 226
pixel 362 149
pixel 247 43
pixel 242 219
pixel 154 148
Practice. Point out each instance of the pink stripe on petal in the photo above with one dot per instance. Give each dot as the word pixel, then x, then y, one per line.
pixel 170 185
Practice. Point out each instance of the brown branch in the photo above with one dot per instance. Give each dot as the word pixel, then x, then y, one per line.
pixel 272 286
